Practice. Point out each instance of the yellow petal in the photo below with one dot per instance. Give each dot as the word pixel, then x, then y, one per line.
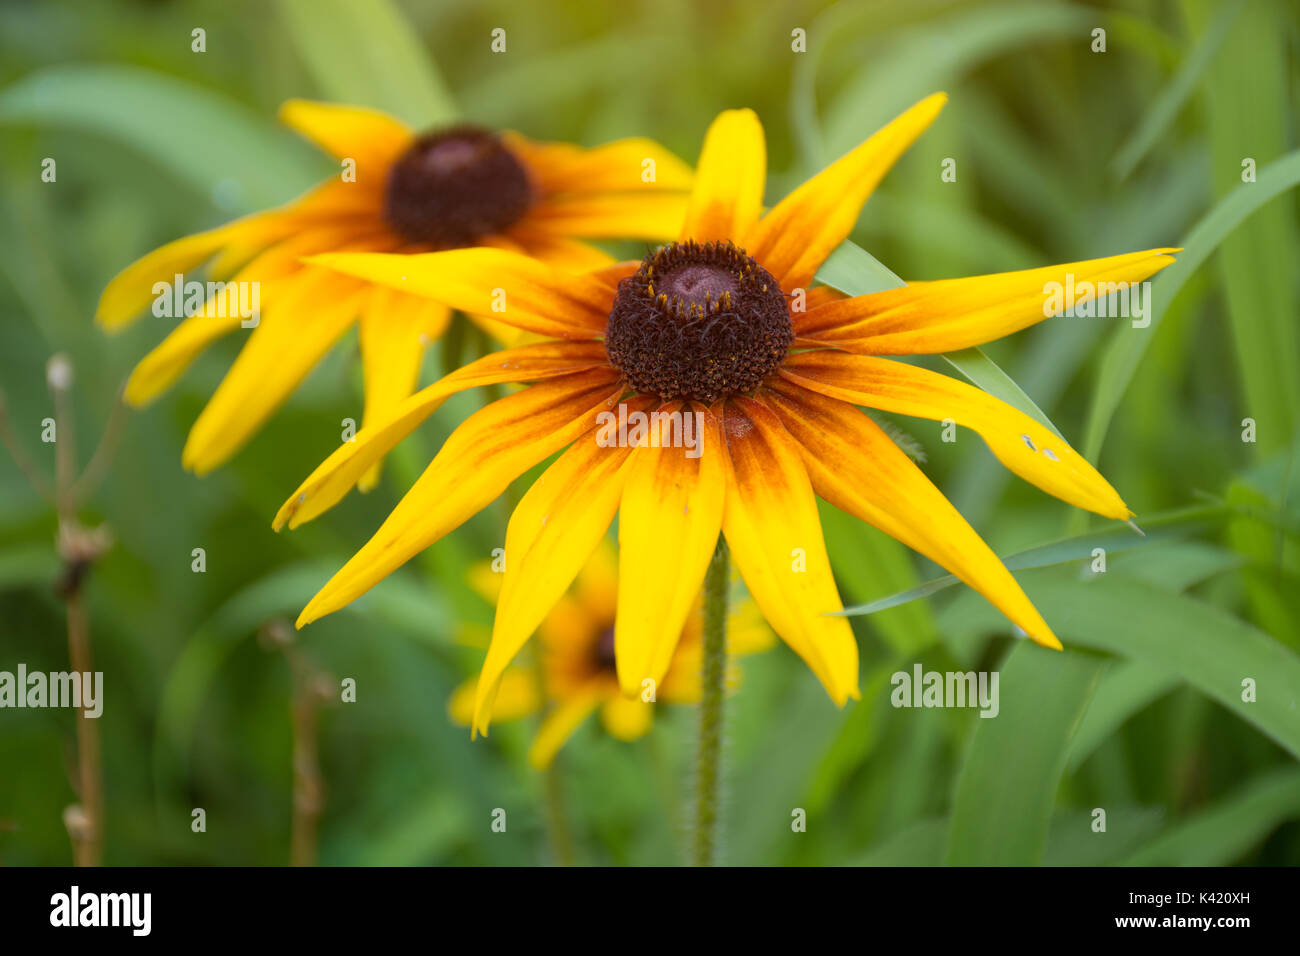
pixel 555 528
pixel 855 466
pixel 611 215
pixel 729 180
pixel 668 525
pixel 627 718
pixel 560 252
pixel 1029 449
pixel 289 340
pixel 395 331
pixel 560 724
pixel 478 461
pixel 132 290
pixel 951 314
pixel 796 236
pixel 775 536
pixel 619 166
pixel 372 138
pixel 336 476
pixel 504 286
pixel 517 698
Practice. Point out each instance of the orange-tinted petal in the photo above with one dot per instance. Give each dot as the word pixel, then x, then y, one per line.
pixel 771 524
pixel 1029 449
pixel 668 525
pixel 478 461
pixel 951 314
pixel 336 476
pixel 796 236
pixel 855 466
pixel 611 215
pixel 620 166
pixel 503 286
pixel 556 527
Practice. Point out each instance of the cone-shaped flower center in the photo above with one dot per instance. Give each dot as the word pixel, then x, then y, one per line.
pixel 698 321
pixel 453 187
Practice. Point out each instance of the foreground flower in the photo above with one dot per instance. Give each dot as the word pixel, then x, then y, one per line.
pixel 397 193
pixel 578 674
pixel 704 327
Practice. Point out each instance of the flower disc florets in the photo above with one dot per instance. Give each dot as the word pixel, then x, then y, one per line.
pixel 451 188
pixel 698 321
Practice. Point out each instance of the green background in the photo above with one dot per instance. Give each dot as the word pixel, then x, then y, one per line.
pixel 1062 154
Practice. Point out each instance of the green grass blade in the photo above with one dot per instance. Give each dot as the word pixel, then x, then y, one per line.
pixel 1220 835
pixel 370 55
pixel 1006 791
pixel 1174 96
pixel 1130 344
pixel 1161 527
pixel 1191 639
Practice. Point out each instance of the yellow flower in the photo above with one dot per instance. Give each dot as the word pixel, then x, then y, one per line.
pixel 702 326
pixel 578 665
pixel 396 193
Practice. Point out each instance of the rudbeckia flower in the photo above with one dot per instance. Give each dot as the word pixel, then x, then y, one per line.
pixel 577 674
pixel 709 326
pixel 397 192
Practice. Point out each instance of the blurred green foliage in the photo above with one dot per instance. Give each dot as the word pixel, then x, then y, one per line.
pixel 1062 154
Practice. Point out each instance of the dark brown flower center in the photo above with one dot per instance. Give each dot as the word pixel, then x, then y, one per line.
pixel 453 187
pixel 698 321
pixel 603 652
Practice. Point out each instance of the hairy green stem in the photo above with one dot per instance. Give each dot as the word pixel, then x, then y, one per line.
pixel 712 679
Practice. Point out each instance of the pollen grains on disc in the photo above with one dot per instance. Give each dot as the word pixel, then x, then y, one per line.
pixel 698 321
pixel 455 186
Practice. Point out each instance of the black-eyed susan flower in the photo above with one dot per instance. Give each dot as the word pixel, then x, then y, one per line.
pixel 577 666
pixel 704 326
pixel 400 193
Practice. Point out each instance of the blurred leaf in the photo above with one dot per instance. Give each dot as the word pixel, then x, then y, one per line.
pixel 1073 842
pixel 214 144
pixel 1126 688
pixel 1201 644
pixel 1005 793
pixel 1174 96
pixel 1221 834
pixel 1126 350
pixel 906 65
pixel 368 54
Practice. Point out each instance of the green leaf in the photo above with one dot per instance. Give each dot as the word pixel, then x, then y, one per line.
pixel 1195 641
pixel 214 144
pixel 1005 793
pixel 368 54
pixel 1223 833
pixel 1174 96
pixel 1130 344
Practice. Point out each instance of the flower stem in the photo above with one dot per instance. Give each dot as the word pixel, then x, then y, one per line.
pixel 713 673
